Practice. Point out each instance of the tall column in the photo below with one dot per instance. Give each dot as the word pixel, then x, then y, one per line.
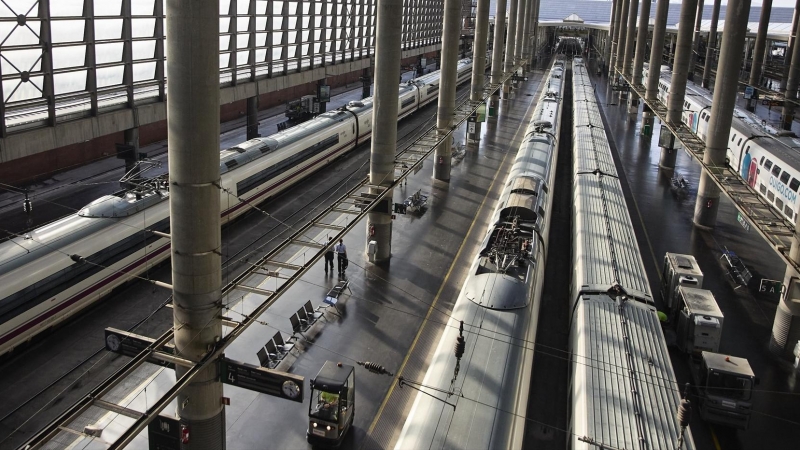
pixel 193 133
pixel 532 50
pixel 680 71
pixel 657 49
pixel 447 86
pixel 671 54
pixel 607 48
pixel 712 44
pixel 698 20
pixel 630 32
pixel 757 68
pixel 479 59
pixel 497 54
pixel 520 30
pixel 252 117
pixel 613 35
pixel 638 60
pixel 641 42
pixel 787 60
pixel 786 325
pixel 719 126
pixel 621 35
pixel 535 31
pixel 510 43
pixel 384 115
pixel 522 33
pixel 791 87
pixel 683 53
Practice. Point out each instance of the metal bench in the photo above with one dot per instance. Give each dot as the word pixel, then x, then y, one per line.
pixel 332 298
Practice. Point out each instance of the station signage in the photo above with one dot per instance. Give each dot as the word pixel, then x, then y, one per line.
pixel 266 381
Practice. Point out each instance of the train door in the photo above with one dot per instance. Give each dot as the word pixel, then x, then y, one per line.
pixel 752 174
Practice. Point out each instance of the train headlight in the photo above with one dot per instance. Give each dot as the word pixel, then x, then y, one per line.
pixel 314 424
pixel 328 428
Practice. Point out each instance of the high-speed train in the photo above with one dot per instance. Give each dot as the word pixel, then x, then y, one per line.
pixel 623 391
pixel 766 157
pixel 64 266
pixel 498 306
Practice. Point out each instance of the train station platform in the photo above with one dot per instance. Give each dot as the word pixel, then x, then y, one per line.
pixel 376 319
pixel 663 221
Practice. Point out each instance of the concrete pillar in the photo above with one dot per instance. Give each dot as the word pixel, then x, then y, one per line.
pixel 621 35
pixel 535 31
pixel 510 43
pixel 657 49
pixel 757 68
pixel 193 133
pixel 671 53
pixel 683 53
pixel 791 88
pixel 384 116
pixel 497 52
pixel 630 34
pixel 698 20
pixel 712 44
pixel 719 126
pixel 787 60
pixel 524 38
pixel 616 7
pixel 786 326
pixel 638 60
pixel 607 46
pixel 522 18
pixel 479 59
pixel 252 117
pixel 447 86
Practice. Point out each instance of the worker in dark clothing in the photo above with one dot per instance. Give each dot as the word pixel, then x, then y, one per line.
pixel 329 256
pixel 341 253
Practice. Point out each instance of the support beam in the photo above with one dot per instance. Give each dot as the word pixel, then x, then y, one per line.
pixel 787 59
pixel 683 53
pixel 712 44
pixel 384 117
pixel 630 33
pixel 522 18
pixel 638 60
pixel 657 49
pixel 791 84
pixel 479 59
pixel 193 109
pixel 621 35
pixel 497 54
pixel 607 46
pixel 510 43
pixel 698 20
pixel 612 36
pixel 757 68
pixel 719 126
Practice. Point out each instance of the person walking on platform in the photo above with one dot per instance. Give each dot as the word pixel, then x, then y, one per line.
pixel 329 256
pixel 341 253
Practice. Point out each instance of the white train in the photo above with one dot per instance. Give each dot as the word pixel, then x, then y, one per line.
pixel 766 157
pixel 64 266
pixel 498 307
pixel 623 389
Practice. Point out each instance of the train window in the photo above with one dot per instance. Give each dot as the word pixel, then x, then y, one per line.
pixel 768 164
pixel 788 211
pixel 770 196
pixel 707 117
pixel 779 203
pixel 785 177
pixel 794 184
pixel 747 149
pixel 739 143
pixel 761 161
pixel 776 170
pixel 762 188
pixel 733 138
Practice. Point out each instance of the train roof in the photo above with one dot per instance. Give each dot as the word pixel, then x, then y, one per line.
pixel 607 252
pixel 624 375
